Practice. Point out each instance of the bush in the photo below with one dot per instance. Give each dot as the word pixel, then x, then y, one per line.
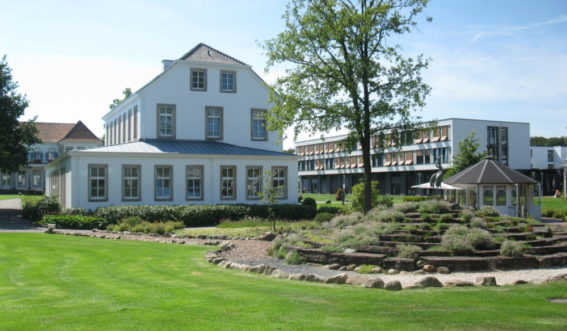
pixel 344 209
pixel 293 258
pixel 332 249
pixel 434 206
pixel 547 212
pixel 34 210
pixel 323 217
pixel 406 207
pixel 445 218
pixel 309 202
pixel 387 215
pixel 366 269
pixel 408 251
pixel 341 221
pixel 419 198
pixel 467 216
pixel 478 222
pixel 460 239
pixel 512 248
pixel 426 217
pixel 349 237
pixel 75 221
pixel 328 202
pixel 358 196
pixel 135 224
pixel 487 211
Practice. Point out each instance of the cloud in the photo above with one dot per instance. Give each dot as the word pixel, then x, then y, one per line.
pixel 510 30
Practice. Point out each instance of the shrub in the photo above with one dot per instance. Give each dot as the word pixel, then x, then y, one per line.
pixel 480 238
pixel 419 198
pixel 558 214
pixel 75 221
pixel 487 211
pixel 293 258
pixel 426 217
pixel 309 202
pixel 34 210
pixel 366 269
pixel 406 207
pixel 478 222
pixel 460 239
pixel 345 209
pixel 547 212
pixel 358 196
pixel 446 218
pixel 387 215
pixel 434 206
pixel 467 216
pixel 348 237
pixel 378 228
pixel 341 221
pixel 323 217
pixel 299 199
pixel 408 251
pixel 281 252
pixel 511 248
pixel 76 211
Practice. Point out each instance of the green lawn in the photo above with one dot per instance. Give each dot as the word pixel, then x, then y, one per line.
pixel 51 282
pixel 19 196
pixel 553 203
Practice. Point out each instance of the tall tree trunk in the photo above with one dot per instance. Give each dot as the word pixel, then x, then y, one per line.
pixel 365 142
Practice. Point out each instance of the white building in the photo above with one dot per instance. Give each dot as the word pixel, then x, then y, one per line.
pixel 549 166
pixel 325 164
pixel 56 139
pixel 196 133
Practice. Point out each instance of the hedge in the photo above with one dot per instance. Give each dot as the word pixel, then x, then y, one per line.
pixel 75 221
pixel 204 215
pixel 34 210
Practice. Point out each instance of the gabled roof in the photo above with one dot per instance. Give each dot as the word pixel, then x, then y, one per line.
pixel 205 53
pixel 65 132
pixel 489 172
pixel 154 146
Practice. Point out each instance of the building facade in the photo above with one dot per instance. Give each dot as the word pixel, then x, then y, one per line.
pixel 195 134
pixel 56 139
pixel 327 164
pixel 548 166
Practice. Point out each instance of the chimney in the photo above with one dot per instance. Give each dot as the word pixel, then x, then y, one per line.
pixel 167 64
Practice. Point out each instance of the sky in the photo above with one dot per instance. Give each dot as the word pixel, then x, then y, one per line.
pixel 490 59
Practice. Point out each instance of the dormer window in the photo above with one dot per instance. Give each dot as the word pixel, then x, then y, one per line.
pixel 166 121
pixel 198 79
pixel 228 81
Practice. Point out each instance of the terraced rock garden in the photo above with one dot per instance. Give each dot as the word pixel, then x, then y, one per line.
pixel 425 237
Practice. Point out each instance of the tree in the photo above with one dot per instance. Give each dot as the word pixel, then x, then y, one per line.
pixel 342 72
pixel 467 156
pixel 15 136
pixel 551 141
pixel 127 92
pixel 269 195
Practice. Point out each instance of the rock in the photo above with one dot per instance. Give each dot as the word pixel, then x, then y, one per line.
pixel 443 270
pixel 558 278
pixel 357 269
pixel 486 281
pixel 181 242
pixel 357 280
pixel 93 230
pixel 419 272
pixel 173 236
pixel 393 272
pixel 226 246
pixel 268 236
pixel 350 267
pixel 458 283
pixel 404 272
pixel 279 274
pixel 429 268
pixel 268 270
pixel 259 269
pixel 334 266
pixel 297 277
pixel 374 283
pixel 337 279
pixel 377 270
pixel 520 282
pixel 343 268
pixel 217 260
pixel 49 230
pixel 314 278
pixel 429 282
pixel 420 264
pixel 225 263
pixel 393 285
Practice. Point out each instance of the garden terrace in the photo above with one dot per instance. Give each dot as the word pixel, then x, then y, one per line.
pixel 413 234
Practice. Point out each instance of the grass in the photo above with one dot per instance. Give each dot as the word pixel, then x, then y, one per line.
pixel 554 203
pixel 19 196
pixel 249 228
pixel 53 282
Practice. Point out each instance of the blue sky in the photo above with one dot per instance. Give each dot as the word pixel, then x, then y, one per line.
pixel 497 60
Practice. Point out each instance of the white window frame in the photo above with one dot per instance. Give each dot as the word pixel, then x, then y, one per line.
pixel 214 113
pixel 192 81
pixel 191 178
pixel 21 178
pixel 257 124
pixel 224 87
pixel 163 179
pixel 279 181
pixel 228 181
pixel 131 182
pixel 99 188
pixel 165 111
pixel 36 177
pixel 253 182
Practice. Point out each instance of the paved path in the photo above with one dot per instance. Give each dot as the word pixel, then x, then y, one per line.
pixel 11 219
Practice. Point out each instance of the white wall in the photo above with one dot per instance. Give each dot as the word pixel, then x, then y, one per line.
pixel 211 175
pixel 539 157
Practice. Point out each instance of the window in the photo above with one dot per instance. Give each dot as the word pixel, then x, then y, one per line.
pixel 504 145
pixel 488 197
pixel 514 195
pixel 501 195
pixel 259 124
pixel 97 182
pixel 136 123
pixel 194 182
pixel 228 182
pixel 228 81
pixel 131 182
pixel 166 121
pixel 279 176
pixel 377 160
pixel 214 125
pixel 198 79
pixel 51 154
pixel 163 187
pixel 253 182
pixel 21 178
pixel 550 155
pixel 492 142
pixel 6 179
pixel 36 177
